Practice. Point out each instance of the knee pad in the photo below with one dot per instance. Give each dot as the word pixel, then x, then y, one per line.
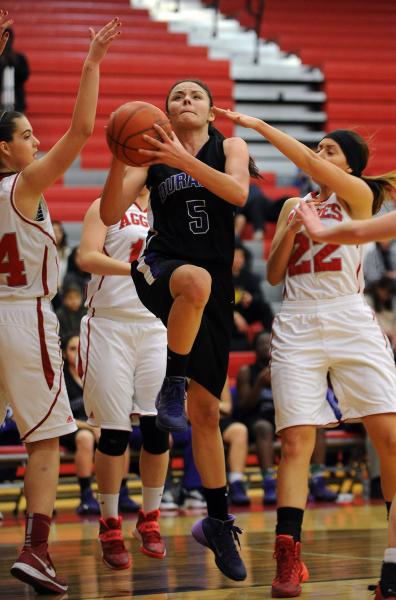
pixel 113 442
pixel 155 441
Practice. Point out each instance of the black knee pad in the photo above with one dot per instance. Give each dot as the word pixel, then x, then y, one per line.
pixel 113 442
pixel 155 441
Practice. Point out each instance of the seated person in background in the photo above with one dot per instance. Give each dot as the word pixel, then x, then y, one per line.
pixel 255 408
pixel 381 297
pixel 187 496
pixel 253 212
pixel 235 437
pixel 380 262
pixel 9 436
pixel 74 274
pixel 82 441
pixel 71 311
pixel 62 248
pixel 250 304
pixel 258 210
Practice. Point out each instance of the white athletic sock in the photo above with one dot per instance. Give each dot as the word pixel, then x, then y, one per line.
pixel 152 498
pixel 390 555
pixel 235 476
pixel 108 505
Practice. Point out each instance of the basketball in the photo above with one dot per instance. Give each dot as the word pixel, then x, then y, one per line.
pixel 126 128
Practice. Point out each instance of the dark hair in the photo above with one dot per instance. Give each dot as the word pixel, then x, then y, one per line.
pixel 212 130
pixel 384 283
pixel 10 40
pixel 63 242
pixel 8 125
pixel 351 142
pixel 67 337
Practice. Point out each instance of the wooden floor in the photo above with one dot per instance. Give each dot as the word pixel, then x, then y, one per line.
pixel 343 548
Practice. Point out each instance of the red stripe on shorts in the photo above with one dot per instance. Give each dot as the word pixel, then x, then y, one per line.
pixel 48 413
pixel 45 359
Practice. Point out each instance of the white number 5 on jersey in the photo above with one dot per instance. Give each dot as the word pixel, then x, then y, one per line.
pixel 199 218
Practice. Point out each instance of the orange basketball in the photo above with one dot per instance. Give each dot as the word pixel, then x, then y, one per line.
pixel 126 128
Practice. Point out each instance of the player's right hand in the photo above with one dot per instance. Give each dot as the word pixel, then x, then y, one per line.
pixel 101 41
pixel 309 216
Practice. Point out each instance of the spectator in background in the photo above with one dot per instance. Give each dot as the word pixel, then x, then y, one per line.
pixel 258 210
pixel 74 274
pixel 9 436
pixel 380 262
pixel 304 183
pixel 255 408
pixel 235 437
pixel 381 296
pixel 82 441
pixel 14 71
pixel 71 311
pixel 62 249
pixel 250 304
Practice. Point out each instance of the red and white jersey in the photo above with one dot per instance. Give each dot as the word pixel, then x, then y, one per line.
pixel 323 271
pixel 116 293
pixel 28 258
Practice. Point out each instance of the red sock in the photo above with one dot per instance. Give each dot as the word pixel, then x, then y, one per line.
pixel 37 528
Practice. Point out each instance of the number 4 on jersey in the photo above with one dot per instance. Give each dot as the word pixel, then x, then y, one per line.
pixel 10 262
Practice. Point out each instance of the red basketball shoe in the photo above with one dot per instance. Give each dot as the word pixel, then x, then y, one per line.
pixel 290 570
pixel 114 553
pixel 35 567
pixel 148 533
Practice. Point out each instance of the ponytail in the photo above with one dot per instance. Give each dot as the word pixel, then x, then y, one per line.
pixel 382 186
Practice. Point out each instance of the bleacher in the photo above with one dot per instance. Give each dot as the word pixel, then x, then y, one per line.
pixel 353 44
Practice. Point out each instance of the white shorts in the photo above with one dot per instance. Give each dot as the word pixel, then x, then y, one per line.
pixel 123 366
pixel 31 370
pixel 340 337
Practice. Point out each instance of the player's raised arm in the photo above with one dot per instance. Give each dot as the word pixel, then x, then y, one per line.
pixel 352 189
pixel 349 232
pixel 122 184
pixel 39 175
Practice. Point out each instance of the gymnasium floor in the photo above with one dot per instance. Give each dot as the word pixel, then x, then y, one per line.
pixel 343 548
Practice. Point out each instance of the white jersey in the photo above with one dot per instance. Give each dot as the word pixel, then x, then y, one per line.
pixel 116 293
pixel 324 271
pixel 28 257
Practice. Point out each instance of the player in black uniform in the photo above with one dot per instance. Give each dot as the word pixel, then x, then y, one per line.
pixel 196 178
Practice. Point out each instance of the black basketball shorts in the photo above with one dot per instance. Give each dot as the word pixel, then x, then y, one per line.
pixel 208 361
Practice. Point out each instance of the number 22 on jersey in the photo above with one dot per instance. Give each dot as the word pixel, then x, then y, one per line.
pixel 320 262
pixel 10 262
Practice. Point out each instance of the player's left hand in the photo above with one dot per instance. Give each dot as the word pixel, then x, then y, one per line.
pixel 167 149
pixel 308 213
pixel 237 117
pixel 5 23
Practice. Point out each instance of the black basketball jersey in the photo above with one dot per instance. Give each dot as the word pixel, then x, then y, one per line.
pixel 187 221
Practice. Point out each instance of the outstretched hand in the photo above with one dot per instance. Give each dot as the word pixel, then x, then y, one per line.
pixel 307 212
pixel 101 41
pixel 5 23
pixel 236 117
pixel 166 150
